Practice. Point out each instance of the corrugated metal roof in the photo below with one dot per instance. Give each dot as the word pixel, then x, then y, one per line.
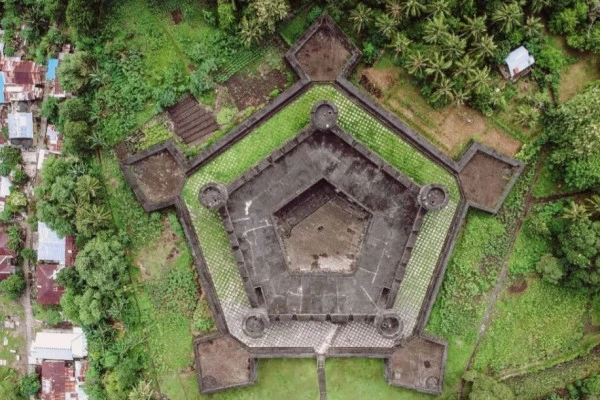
pixel 5 185
pixel 519 60
pixel 20 125
pixel 59 345
pixel 52 65
pixel 1 87
pixel 50 246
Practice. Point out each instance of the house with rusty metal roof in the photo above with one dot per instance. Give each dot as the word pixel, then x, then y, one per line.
pixel 63 380
pixel 49 291
pixel 7 257
pixel 20 80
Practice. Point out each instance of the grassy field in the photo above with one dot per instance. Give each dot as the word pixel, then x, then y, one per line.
pixel 532 327
pixel 449 128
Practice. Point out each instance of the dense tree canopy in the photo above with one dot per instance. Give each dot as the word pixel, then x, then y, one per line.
pixel 573 130
pixel 95 287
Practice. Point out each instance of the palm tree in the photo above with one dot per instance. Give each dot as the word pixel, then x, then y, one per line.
pixel 87 187
pixel 537 5
pixel 435 30
pixel 413 8
pixel 399 44
pixel 474 27
pixel 508 16
pixel 533 27
pixel 527 116
pixel 465 66
pixel 453 46
pixel 250 31
pixel 484 47
pixel 593 205
pixel 360 17
pixel 415 63
pixel 444 90
pixel 394 9
pixel 575 212
pixel 438 8
pixel 480 79
pixel 436 66
pixel 385 25
pixel 460 96
pixel 91 218
pixel 143 391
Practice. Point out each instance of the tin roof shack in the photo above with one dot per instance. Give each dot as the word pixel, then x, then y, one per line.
pixel 51 75
pixel 48 291
pixel 63 380
pixel 54 140
pixel 20 129
pixel 7 257
pixel 517 64
pixel 20 80
pixel 65 345
pixel 5 186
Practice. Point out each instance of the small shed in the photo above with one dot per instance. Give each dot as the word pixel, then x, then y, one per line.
pixel 518 63
pixel 20 129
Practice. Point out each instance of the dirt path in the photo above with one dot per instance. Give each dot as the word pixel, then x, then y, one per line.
pixel 555 197
pixel 529 201
pixel 26 299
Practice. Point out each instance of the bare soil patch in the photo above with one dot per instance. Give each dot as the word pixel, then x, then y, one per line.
pixel 247 90
pixel 177 16
pixel 578 75
pixel 484 179
pixel 518 286
pixel 323 56
pixel 418 365
pixel 223 362
pixel 382 79
pixel 159 176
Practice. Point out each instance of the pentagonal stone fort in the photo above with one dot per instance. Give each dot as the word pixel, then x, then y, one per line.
pixel 322 226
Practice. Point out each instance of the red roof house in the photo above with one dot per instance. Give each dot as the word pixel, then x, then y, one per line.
pixel 48 291
pixel 62 380
pixel 23 80
pixel 7 257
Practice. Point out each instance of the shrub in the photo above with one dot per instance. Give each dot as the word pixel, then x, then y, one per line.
pixel 30 385
pixel 226 15
pixel 29 254
pixel 550 269
pixel 591 385
pixel 50 109
pixel 13 287
pixel 369 53
pixel 225 115
pixel 202 319
pixel 19 176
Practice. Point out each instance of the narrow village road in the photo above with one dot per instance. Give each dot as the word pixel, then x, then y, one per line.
pixel 26 298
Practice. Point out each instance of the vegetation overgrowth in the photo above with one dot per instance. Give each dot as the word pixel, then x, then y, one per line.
pixel 133 60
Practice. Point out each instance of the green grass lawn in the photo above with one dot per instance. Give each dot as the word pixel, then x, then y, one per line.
pixel 539 324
